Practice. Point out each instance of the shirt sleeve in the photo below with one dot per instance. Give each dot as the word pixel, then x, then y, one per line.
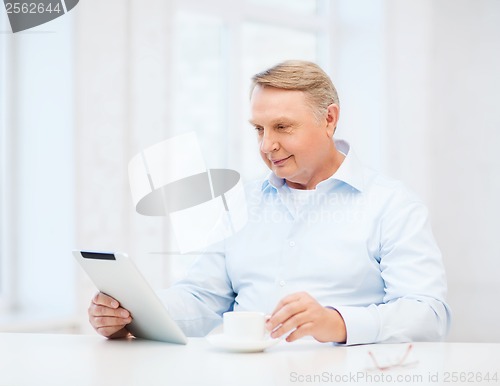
pixel 197 302
pixel 414 307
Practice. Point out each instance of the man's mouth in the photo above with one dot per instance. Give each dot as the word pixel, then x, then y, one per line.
pixel 281 161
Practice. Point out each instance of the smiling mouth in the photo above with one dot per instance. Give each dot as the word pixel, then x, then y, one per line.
pixel 280 161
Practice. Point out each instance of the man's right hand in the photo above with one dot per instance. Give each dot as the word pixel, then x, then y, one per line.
pixel 107 317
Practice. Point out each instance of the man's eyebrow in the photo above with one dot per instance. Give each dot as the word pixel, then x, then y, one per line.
pixel 282 119
pixel 274 121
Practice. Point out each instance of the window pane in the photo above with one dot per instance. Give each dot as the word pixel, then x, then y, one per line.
pixel 199 83
pixel 199 96
pixel 302 6
pixel 264 45
pixel 3 148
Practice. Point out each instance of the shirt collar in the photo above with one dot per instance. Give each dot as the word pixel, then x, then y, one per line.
pixel 349 172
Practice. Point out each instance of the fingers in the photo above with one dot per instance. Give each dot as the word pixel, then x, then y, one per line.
pixel 105 300
pixel 289 314
pixel 104 305
pixel 296 325
pixel 113 332
pixel 287 300
pixel 107 317
pixel 300 314
pixel 300 332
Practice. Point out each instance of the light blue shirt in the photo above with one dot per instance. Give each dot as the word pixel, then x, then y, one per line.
pixel 360 243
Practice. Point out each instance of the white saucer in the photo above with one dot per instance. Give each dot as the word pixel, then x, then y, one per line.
pixel 233 345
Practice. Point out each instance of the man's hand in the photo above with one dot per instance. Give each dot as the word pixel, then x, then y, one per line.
pixel 107 317
pixel 300 311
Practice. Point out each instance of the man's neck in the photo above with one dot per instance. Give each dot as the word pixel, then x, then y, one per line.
pixel 331 167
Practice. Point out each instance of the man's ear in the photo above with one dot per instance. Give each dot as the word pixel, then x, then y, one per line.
pixel 332 118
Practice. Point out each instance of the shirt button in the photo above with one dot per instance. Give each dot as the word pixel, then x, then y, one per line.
pixel 292 243
pixel 282 283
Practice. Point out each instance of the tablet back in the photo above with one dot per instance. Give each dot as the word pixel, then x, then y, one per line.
pixel 116 275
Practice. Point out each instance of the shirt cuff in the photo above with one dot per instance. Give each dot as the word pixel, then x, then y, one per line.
pixel 362 324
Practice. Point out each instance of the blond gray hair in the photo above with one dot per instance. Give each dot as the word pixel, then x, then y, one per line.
pixel 303 76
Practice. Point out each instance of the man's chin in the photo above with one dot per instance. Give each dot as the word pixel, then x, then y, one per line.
pixel 280 173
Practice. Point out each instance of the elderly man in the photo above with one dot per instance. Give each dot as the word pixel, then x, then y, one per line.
pixel 332 249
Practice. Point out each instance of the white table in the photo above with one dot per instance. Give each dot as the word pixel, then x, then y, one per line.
pixel 70 360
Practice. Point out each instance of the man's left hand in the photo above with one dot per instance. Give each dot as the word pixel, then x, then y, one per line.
pixel 303 314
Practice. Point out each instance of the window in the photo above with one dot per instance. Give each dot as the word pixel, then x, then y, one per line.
pixel 4 267
pixel 199 81
pixel 215 51
pixel 36 169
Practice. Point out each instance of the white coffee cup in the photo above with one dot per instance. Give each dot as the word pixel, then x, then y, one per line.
pixel 244 325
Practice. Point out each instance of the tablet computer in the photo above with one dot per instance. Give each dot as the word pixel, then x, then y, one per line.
pixel 116 275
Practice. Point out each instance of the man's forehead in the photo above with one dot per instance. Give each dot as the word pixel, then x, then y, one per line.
pixel 260 89
pixel 268 98
pixel 278 104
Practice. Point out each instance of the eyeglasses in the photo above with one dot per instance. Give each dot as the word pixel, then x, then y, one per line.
pixel 399 363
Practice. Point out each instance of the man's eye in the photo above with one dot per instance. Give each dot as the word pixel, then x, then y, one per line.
pixel 258 129
pixel 282 127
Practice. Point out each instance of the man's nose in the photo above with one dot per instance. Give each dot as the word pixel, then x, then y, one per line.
pixel 268 143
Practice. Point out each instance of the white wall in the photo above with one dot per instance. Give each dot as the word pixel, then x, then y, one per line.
pixel 419 84
pixel 465 177
pixel 443 135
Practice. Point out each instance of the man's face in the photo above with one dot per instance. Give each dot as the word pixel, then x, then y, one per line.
pixel 293 142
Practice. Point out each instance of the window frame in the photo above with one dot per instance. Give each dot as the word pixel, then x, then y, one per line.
pixel 6 264
pixel 16 296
